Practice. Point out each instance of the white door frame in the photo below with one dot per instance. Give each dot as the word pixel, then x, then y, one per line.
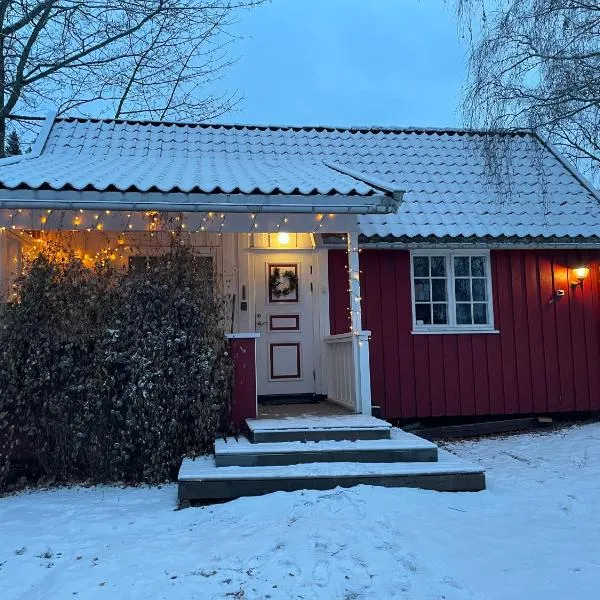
pixel 315 256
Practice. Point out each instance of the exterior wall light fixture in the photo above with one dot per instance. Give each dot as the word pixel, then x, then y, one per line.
pixel 581 273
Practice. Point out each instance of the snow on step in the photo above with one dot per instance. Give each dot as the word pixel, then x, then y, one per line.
pixel 401 446
pixel 339 427
pixel 201 479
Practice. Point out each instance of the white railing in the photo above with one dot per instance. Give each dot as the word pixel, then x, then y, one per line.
pixel 348 376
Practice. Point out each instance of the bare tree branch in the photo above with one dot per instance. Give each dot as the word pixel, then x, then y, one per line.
pixel 155 59
pixel 536 64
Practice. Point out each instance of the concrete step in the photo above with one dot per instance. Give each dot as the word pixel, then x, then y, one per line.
pixel 401 447
pixel 317 429
pixel 201 480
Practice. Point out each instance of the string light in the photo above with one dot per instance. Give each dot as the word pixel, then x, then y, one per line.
pixel 321 219
pixel 222 225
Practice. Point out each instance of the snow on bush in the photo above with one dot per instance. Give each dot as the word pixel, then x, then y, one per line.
pixel 108 376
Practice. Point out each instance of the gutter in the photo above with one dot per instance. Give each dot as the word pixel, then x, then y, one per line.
pixel 157 201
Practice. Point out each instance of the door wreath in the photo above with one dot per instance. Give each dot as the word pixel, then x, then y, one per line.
pixel 282 284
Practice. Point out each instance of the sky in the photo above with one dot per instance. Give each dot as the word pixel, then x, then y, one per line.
pixel 348 62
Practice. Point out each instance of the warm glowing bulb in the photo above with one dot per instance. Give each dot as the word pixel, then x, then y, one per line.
pixel 581 272
pixel 283 238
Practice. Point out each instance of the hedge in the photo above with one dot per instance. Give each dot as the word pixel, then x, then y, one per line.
pixel 111 376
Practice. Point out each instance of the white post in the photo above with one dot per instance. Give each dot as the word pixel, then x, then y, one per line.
pixel 360 338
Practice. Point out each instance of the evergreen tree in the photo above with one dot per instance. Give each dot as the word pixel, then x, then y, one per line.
pixel 13 146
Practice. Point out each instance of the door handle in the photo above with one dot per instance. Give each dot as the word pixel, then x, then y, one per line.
pixel 259 323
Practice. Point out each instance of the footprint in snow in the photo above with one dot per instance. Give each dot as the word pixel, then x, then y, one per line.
pixel 320 574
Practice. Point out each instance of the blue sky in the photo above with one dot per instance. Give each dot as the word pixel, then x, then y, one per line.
pixel 349 62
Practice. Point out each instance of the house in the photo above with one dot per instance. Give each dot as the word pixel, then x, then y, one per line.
pixel 480 294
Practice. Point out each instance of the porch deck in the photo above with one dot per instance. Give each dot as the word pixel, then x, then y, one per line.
pixel 322 408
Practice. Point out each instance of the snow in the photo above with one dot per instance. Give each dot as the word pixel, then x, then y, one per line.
pixel 311 422
pixel 535 533
pixel 204 468
pixel 398 439
pixel 443 172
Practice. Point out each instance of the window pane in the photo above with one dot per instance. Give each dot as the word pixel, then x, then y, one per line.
pixel 461 266
pixel 422 290
pixel 463 314
pixel 480 313
pixel 423 314
pixel 478 266
pixel 137 263
pixel 438 266
pixel 479 291
pixel 438 289
pixel 421 266
pixel 462 291
pixel 440 314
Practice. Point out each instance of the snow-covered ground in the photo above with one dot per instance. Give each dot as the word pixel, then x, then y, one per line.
pixel 534 534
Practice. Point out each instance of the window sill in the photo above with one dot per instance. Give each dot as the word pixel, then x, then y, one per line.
pixel 452 331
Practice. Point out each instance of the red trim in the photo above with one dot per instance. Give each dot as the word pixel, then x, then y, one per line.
pixel 297 345
pixel 283 267
pixel 243 397
pixel 293 328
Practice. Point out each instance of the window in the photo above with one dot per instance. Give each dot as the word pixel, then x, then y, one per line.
pixel 451 290
pixel 139 264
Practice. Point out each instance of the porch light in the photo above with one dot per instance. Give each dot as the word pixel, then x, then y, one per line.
pixel 581 273
pixel 283 238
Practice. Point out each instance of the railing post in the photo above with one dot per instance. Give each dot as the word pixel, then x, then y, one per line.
pixel 243 354
pixel 360 338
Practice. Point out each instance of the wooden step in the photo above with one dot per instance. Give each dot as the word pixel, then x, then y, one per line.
pixel 401 447
pixel 201 480
pixel 317 429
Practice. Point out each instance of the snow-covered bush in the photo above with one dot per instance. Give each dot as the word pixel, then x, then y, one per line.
pixel 109 376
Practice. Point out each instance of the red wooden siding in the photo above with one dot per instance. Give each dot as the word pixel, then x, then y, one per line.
pixel 545 359
pixel 243 397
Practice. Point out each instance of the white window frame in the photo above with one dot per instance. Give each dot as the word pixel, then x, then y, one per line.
pixel 452 326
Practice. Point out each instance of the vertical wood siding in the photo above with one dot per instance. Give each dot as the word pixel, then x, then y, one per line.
pixel 545 359
pixel 243 396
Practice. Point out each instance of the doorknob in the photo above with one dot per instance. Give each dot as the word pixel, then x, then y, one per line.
pixel 258 320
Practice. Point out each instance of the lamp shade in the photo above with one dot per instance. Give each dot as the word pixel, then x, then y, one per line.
pixel 581 272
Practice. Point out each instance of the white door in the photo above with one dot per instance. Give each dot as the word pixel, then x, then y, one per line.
pixel 284 319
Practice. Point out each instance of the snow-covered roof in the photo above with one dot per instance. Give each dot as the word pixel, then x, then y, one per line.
pixel 448 188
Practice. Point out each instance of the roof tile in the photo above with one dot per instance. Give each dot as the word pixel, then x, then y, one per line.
pixel 449 190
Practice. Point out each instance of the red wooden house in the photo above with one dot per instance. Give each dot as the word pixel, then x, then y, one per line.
pixel 480 283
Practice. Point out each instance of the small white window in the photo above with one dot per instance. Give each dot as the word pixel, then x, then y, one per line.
pixel 451 291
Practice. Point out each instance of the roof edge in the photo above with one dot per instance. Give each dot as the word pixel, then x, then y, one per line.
pixel 38 145
pixel 407 242
pixel 311 127
pixel 584 181
pixel 377 204
pixel 396 194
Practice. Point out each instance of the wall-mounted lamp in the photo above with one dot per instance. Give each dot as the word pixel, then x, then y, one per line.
pixel 283 238
pixel 581 273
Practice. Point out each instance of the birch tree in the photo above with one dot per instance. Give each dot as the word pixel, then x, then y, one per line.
pixel 536 64
pixel 150 59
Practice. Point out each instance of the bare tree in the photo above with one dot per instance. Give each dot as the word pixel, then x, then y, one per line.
pixel 149 59
pixel 536 64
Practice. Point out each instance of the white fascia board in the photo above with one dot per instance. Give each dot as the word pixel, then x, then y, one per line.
pixel 179 201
